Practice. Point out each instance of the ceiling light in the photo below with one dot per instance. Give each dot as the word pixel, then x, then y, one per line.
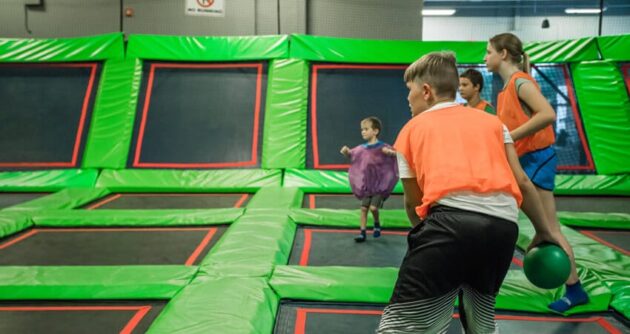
pixel 582 10
pixel 438 12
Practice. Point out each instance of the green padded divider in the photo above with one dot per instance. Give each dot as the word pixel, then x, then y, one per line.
pixel 13 222
pixel 93 282
pixel 101 47
pixel 276 198
pixel 348 218
pixel 615 47
pixel 47 180
pixel 321 181
pixel 284 138
pixel 573 50
pixel 113 116
pixel 347 50
pixel 252 246
pixel 204 48
pixel 341 284
pixel 604 105
pixel 171 217
pixel 220 305
pixel 595 219
pixel 226 180
pixel 592 185
pixel 65 199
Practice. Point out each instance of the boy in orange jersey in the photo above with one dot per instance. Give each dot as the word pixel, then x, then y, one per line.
pixel 470 87
pixel 461 179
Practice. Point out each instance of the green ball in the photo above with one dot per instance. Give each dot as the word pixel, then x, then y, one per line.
pixel 547 266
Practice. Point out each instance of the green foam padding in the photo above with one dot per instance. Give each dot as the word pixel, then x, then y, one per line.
pixel 227 180
pixel 65 199
pixel 604 104
pixel 220 305
pixel 321 181
pixel 595 219
pixel 276 198
pixel 615 47
pixel 113 117
pixel 100 47
pixel 252 245
pixel 284 138
pixel 348 218
pixel 206 48
pixel 93 282
pixel 13 222
pixel 47 180
pixel 170 217
pixel 592 185
pixel 563 51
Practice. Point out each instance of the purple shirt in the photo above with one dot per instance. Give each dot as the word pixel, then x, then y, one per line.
pixel 372 172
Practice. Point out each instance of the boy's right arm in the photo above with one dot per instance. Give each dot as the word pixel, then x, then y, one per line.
pixel 345 150
pixel 413 199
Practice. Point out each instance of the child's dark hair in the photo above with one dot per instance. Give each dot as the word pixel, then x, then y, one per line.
pixel 376 123
pixel 474 76
pixel 439 70
pixel 514 47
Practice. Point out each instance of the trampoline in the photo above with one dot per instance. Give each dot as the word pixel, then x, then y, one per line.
pixel 10 199
pixel 170 201
pixel 312 317
pixel 315 246
pixel 618 240
pixel 603 204
pixel 194 115
pixel 46 113
pixel 108 246
pixel 123 317
pixel 346 201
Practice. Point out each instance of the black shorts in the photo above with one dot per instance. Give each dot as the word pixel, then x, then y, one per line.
pixel 454 247
pixel 374 200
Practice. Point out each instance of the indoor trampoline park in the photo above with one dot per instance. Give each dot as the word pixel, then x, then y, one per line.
pixel 186 177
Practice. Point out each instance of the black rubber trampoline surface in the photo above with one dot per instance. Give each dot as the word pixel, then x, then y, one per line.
pixel 313 317
pixel 181 116
pixel 108 246
pixel 602 204
pixel 170 201
pixel 618 240
pixel 314 246
pixel 10 199
pixel 346 201
pixel 97 317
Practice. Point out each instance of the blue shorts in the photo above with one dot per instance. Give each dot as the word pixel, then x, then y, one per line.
pixel 540 166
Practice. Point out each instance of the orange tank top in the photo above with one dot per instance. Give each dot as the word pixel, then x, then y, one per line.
pixel 456 149
pixel 511 113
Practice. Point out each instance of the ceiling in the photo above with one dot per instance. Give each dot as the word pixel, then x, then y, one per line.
pixel 525 7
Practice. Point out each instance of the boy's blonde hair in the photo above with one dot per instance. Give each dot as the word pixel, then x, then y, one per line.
pixel 439 70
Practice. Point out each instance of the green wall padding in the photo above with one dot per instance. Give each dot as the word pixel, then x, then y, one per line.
pixel 204 48
pixel 572 50
pixel 220 305
pixel 137 218
pixel 605 109
pixel 252 246
pixel 276 198
pixel 47 180
pixel 13 222
pixel 615 47
pixel 114 113
pixel 65 199
pixel 284 138
pixel 321 181
pixel 93 282
pixel 225 180
pixel 595 220
pixel 348 218
pixel 100 47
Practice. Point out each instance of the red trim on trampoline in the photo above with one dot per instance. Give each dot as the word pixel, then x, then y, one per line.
pixel 145 110
pixel 191 259
pixel 300 319
pixel 86 103
pixel 311 201
pixel 314 135
pixel 113 197
pixel 625 72
pixel 241 201
pixel 103 201
pixel 578 124
pixel 135 320
pixel 592 235
pixel 517 262
pixel 308 236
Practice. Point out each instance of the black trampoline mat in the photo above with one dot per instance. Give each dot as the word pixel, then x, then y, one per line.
pixel 305 318
pixel 170 201
pixel 346 201
pixel 109 246
pixel 199 115
pixel 46 113
pixel 97 317
pixel 603 204
pixel 10 199
pixel 618 240
pixel 336 247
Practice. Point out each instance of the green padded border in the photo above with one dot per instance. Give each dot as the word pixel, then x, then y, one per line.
pixel 65 199
pixel 615 47
pixel 47 180
pixel 348 218
pixel 92 48
pixel 595 220
pixel 563 51
pixel 322 181
pixel 13 222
